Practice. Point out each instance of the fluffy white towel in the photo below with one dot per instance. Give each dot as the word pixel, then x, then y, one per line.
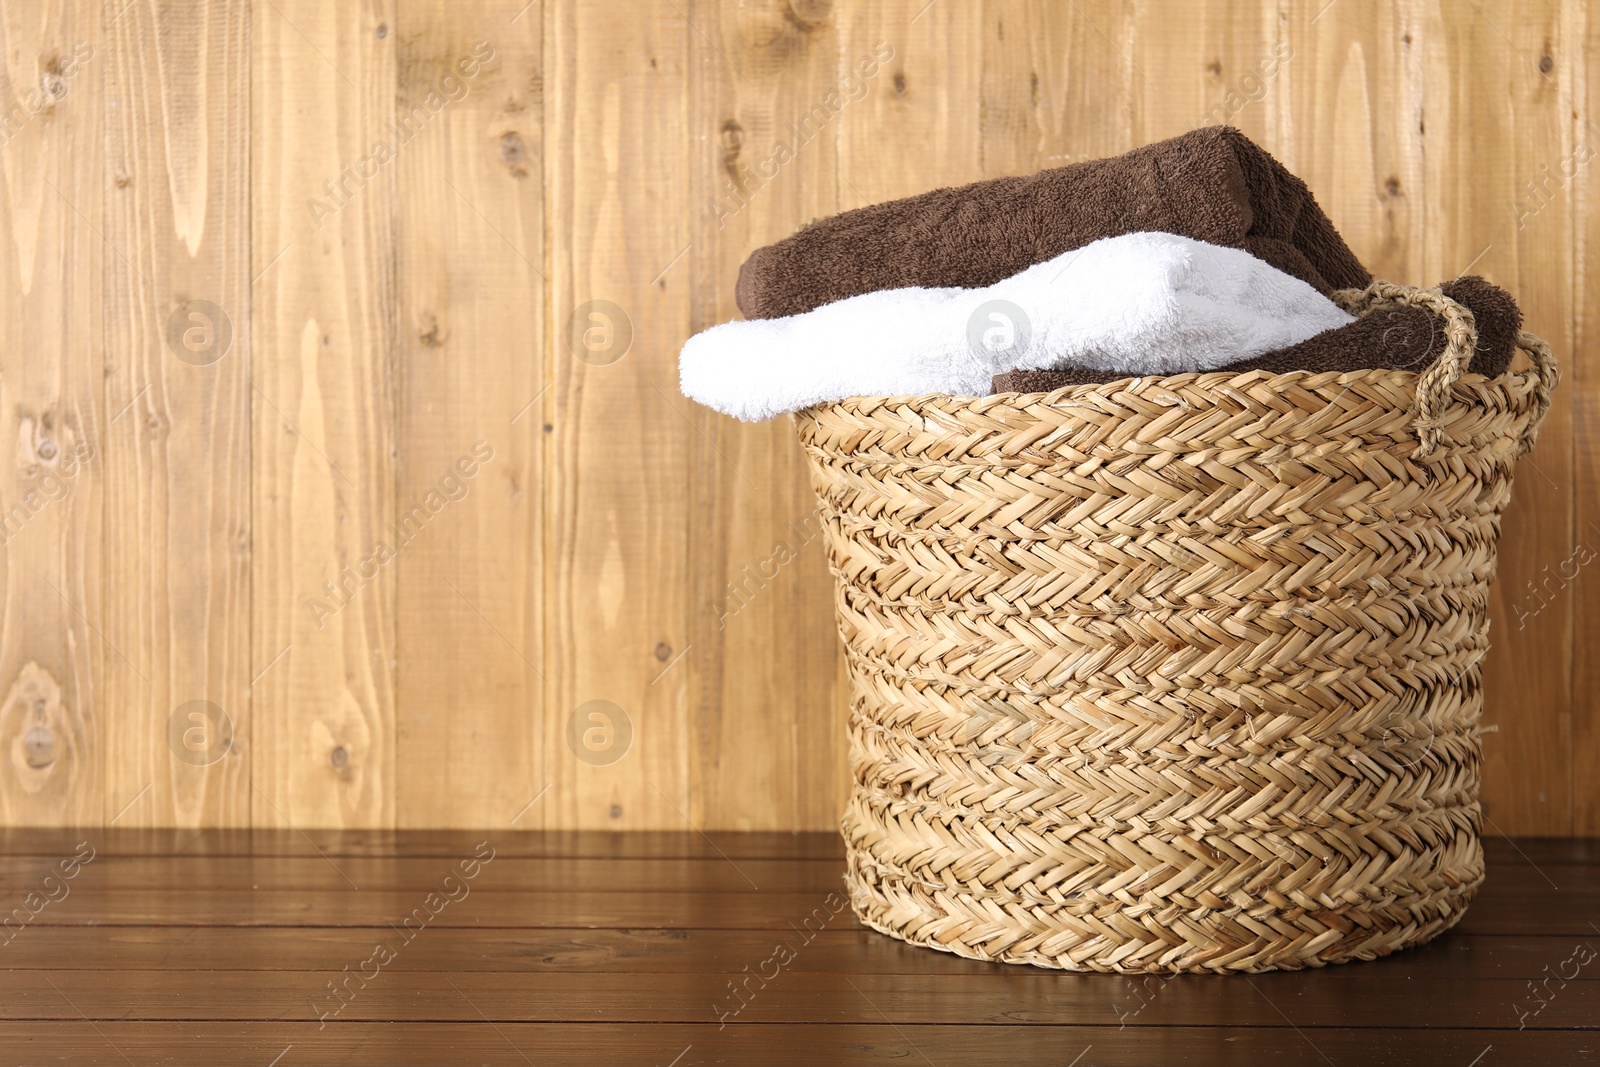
pixel 1142 303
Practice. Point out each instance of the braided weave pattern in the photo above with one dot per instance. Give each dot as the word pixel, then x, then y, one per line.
pixel 1172 674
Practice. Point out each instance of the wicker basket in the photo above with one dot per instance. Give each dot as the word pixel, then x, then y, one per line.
pixel 1172 674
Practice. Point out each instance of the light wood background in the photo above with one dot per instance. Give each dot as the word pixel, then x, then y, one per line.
pixel 615 542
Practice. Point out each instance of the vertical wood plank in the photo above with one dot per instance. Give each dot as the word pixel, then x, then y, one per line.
pixel 469 511
pixel 1494 121
pixel 178 458
pixel 768 746
pixel 323 579
pixel 1058 84
pixel 1191 60
pixel 924 132
pixel 1350 79
pixel 1577 575
pixel 52 172
pixel 617 562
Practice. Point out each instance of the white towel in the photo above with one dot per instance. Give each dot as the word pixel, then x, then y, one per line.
pixel 1142 303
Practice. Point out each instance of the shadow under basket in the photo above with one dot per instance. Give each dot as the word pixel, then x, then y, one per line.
pixel 1173 673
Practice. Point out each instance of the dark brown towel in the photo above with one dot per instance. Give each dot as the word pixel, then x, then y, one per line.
pixel 1213 184
pixel 1406 339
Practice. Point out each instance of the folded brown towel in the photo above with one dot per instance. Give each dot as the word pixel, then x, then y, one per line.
pixel 1403 339
pixel 1213 184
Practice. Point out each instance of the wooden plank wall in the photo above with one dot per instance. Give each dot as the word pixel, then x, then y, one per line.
pixel 344 474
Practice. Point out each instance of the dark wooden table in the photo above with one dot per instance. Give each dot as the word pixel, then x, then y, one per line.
pixel 268 948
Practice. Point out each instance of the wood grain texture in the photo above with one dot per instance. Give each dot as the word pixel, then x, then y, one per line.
pixel 322 640
pixel 1058 84
pixel 52 418
pixel 1038 999
pixel 577 951
pixel 659 957
pixel 1350 81
pixel 925 130
pixel 1191 74
pixel 176 617
pixel 1582 379
pixel 472 396
pixel 770 88
pixel 622 441
pixel 1487 73
pixel 287 531
pixel 508 1044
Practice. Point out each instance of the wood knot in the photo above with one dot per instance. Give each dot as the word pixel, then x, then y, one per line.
pixel 514 153
pixel 432 335
pixel 732 140
pixel 34 724
pixel 809 14
pixel 39 746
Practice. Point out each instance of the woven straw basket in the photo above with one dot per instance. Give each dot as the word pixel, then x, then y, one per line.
pixel 1173 674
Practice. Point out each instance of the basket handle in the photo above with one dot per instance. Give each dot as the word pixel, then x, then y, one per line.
pixel 1435 384
pixel 1544 364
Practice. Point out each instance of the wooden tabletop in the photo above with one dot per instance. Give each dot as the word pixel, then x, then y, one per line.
pixel 266 948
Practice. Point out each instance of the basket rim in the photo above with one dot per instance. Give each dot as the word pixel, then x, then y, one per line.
pixel 1215 381
pixel 1432 389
